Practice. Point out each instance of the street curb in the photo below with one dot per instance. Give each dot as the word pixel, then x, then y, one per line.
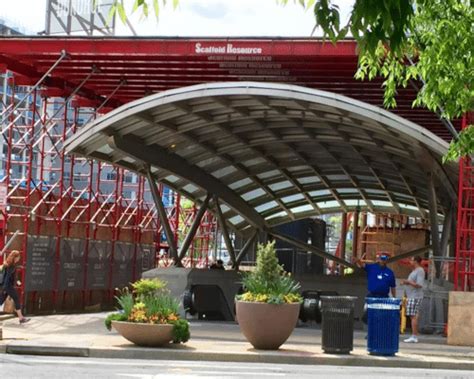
pixel 275 357
pixel 180 353
pixel 65 351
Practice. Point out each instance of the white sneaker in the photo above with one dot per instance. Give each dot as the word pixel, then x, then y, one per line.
pixel 412 339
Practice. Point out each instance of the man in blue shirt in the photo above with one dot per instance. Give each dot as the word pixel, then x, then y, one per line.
pixel 380 279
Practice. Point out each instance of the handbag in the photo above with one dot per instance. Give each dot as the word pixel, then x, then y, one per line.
pixel 9 305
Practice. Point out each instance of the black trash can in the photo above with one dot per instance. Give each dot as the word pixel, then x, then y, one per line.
pixel 338 324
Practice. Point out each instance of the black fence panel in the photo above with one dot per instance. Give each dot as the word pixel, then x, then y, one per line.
pixel 98 270
pixel 71 272
pixel 40 267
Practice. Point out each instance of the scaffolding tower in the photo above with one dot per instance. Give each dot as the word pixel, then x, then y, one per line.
pixel 45 192
pixel 464 265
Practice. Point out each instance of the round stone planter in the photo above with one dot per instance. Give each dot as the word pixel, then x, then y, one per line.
pixel 266 326
pixel 145 334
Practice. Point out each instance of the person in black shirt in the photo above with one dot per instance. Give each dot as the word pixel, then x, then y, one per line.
pixel 219 265
pixel 8 289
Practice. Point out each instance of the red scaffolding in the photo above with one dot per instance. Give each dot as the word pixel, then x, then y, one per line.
pixel 464 266
pixel 51 194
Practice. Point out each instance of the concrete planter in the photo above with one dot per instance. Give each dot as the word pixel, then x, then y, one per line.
pixel 266 326
pixel 144 334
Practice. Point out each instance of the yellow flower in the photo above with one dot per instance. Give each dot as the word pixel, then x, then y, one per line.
pixel 248 296
pixel 292 298
pixel 139 305
pixel 172 317
pixel 138 316
pixel 261 298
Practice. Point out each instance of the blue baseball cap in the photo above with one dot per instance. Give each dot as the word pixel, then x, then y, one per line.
pixel 383 256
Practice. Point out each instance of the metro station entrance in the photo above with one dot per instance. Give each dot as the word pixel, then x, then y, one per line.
pixel 279 132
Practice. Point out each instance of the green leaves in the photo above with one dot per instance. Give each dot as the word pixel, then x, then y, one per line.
pixel 463 146
pixel 444 35
pixel 148 287
pixel 156 7
pixel 327 17
pixel 426 43
pixel 118 8
pixel 181 331
pixel 163 304
pixel 114 317
pixel 126 302
pixel 371 21
pixel 267 267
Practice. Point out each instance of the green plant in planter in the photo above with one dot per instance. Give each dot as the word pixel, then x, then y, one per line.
pixel 151 303
pixel 269 283
pixel 148 287
pixel 181 331
pixel 114 317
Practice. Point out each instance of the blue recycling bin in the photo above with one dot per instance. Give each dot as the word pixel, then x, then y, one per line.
pixel 383 323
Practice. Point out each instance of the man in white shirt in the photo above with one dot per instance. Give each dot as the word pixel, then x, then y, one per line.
pixel 414 292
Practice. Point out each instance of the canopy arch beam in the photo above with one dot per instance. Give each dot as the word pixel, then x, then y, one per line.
pixel 158 157
pixel 273 153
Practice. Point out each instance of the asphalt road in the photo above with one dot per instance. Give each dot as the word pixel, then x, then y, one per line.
pixel 32 367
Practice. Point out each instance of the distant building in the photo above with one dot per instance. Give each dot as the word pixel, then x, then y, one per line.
pixel 7 30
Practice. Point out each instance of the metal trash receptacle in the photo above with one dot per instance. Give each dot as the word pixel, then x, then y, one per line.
pixel 310 307
pixel 337 324
pixel 383 323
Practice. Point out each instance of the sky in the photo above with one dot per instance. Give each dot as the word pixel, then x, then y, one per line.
pixel 191 18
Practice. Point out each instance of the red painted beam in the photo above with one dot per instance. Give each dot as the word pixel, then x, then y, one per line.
pixel 78 102
pixel 179 47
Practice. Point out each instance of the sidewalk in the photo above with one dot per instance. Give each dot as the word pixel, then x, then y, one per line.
pixel 84 335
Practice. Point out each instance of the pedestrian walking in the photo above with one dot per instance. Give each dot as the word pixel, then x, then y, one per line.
pixel 414 292
pixel 8 286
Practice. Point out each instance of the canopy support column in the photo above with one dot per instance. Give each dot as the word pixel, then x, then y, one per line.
pixel 194 227
pixel 342 243
pixel 355 233
pixel 244 250
pixel 446 235
pixel 225 232
pixel 434 222
pixel 163 218
pixel 409 254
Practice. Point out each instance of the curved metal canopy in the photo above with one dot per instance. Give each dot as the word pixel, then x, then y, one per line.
pixel 274 153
